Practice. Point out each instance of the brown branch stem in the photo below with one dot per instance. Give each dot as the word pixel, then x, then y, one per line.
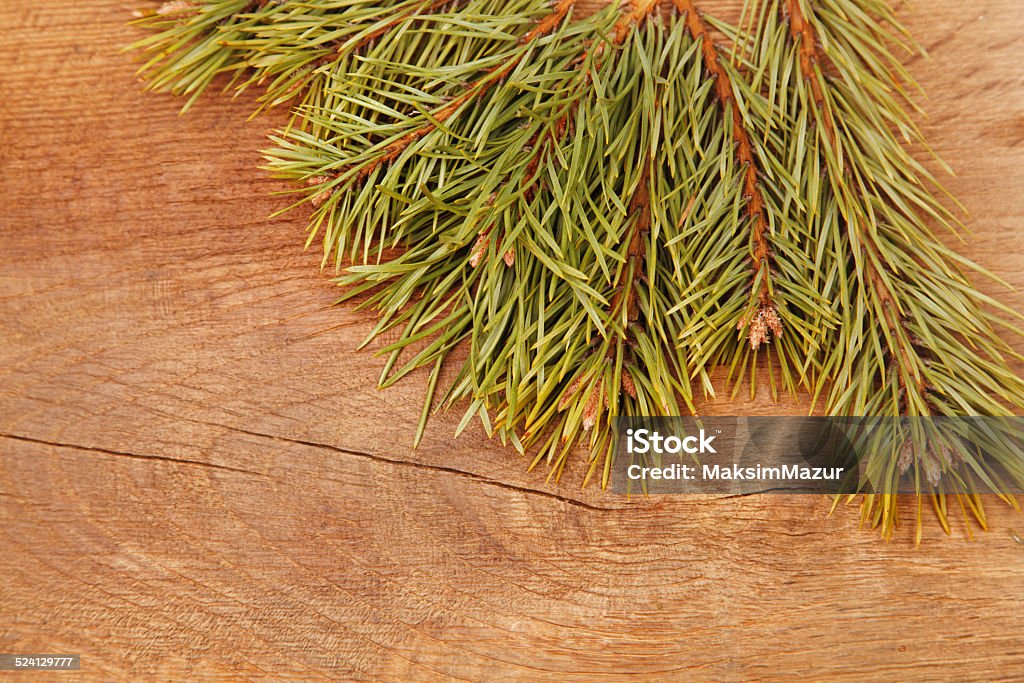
pixel 640 213
pixel 640 208
pixel 638 11
pixel 765 318
pixel 811 60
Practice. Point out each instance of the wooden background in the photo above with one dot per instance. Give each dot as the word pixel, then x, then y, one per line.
pixel 198 478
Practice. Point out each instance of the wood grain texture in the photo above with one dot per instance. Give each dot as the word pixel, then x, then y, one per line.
pixel 198 479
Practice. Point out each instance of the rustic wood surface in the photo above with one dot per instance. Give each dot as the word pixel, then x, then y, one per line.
pixel 199 480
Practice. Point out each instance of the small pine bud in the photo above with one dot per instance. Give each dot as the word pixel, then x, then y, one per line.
pixel 906 456
pixel 758 332
pixel 765 320
pixel 592 411
pixel 319 198
pixel 479 249
pixel 771 318
pixel 569 393
pixel 510 257
pixel 628 385
pixel 932 468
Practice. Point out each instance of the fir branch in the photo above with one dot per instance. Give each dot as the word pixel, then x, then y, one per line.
pixel 485 302
pixel 877 273
pixel 775 232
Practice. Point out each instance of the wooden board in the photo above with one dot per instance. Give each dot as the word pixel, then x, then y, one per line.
pixel 198 479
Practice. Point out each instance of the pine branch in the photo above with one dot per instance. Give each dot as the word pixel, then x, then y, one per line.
pixel 910 377
pixel 496 360
pixel 876 273
pixel 763 317
pixel 776 288
pixel 871 213
pixel 577 217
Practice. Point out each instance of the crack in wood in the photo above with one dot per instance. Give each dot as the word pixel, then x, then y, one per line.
pixel 126 454
pixel 433 468
pixel 314 444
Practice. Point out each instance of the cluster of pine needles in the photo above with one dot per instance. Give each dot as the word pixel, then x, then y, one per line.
pixel 584 217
